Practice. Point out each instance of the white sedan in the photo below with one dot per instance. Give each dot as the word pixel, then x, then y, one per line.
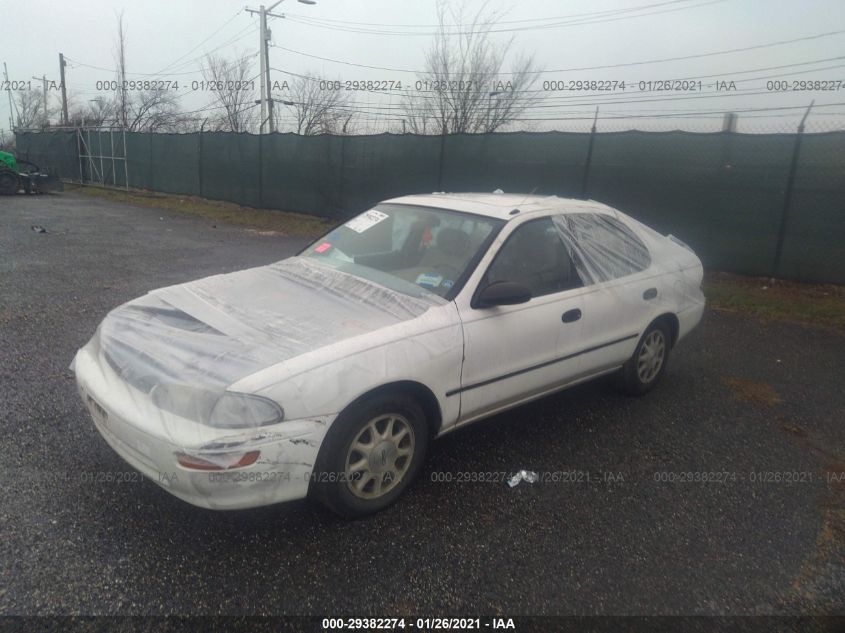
pixel 329 373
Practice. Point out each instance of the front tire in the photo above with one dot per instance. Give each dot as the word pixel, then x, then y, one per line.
pixel 372 453
pixel 641 373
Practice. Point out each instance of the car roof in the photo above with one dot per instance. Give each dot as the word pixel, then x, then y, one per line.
pixel 501 205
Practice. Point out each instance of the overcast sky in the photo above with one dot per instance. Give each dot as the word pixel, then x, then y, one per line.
pixel 167 38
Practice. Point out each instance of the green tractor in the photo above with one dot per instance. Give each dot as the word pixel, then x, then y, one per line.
pixel 17 175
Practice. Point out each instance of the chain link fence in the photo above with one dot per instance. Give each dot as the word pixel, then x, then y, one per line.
pixel 750 203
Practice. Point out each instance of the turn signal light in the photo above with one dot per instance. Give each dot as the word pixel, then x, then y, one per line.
pixel 217 461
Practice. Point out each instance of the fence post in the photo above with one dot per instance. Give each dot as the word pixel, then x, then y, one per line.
pixel 342 198
pixel 125 161
pixel 589 158
pixel 79 154
pixel 260 171
pixel 787 197
pixel 199 159
pixel 728 131
pixel 150 164
pixel 440 165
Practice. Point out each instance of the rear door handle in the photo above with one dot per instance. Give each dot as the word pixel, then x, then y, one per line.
pixel 651 293
pixel 571 316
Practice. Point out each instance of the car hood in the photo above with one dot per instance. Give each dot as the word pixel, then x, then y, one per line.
pixel 212 332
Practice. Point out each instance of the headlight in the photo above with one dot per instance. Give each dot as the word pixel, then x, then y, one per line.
pixel 226 411
pixel 239 410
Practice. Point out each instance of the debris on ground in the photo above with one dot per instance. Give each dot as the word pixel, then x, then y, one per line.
pixel 523 475
pixel 38 229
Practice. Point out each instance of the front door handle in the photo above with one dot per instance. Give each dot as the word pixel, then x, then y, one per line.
pixel 571 316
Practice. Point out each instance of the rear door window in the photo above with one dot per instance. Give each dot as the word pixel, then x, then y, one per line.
pixel 603 248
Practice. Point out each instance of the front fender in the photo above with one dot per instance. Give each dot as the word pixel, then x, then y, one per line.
pixel 427 350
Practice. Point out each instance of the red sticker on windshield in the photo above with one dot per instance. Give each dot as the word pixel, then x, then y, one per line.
pixel 322 248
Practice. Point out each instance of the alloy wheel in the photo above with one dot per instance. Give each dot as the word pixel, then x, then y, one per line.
pixel 379 456
pixel 652 354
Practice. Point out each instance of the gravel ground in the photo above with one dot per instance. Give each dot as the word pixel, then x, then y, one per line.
pixel 740 397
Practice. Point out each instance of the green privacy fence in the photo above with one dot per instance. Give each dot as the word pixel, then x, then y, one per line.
pixel 723 193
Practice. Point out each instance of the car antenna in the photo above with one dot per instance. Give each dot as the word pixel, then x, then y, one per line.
pixel 528 196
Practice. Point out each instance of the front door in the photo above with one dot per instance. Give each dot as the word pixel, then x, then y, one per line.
pixel 514 352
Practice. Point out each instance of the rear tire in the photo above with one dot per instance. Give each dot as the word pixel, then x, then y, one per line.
pixel 641 373
pixel 372 453
pixel 8 183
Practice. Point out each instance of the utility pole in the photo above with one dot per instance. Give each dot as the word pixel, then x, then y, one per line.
pixel 271 124
pixel 121 70
pixel 43 79
pixel 11 104
pixel 263 62
pixel 44 94
pixel 264 54
pixel 62 64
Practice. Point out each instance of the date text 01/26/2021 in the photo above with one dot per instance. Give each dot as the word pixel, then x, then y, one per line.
pixel 424 624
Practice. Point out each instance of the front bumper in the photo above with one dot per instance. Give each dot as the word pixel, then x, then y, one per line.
pixel 149 438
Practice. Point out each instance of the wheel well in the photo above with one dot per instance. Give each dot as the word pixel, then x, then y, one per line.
pixel 416 390
pixel 674 325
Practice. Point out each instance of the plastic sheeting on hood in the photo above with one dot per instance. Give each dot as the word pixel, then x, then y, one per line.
pixel 184 345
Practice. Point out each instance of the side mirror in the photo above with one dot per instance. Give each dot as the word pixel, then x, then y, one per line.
pixel 502 293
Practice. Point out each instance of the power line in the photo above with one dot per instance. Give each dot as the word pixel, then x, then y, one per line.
pixel 227 23
pixel 311 22
pixel 242 34
pixel 648 96
pixel 248 30
pixel 425 72
pixel 376 113
pixel 686 114
pixel 216 107
pixel 550 18
pixel 400 108
pixel 643 96
pixel 204 109
pixel 603 67
pixel 622 95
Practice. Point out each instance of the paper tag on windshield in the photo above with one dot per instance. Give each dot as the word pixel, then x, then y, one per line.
pixel 365 221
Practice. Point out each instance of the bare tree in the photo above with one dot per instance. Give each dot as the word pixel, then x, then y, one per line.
pixel 120 58
pixel 465 86
pixel 29 108
pixel 182 124
pixel 7 141
pixel 421 114
pixel 234 91
pixel 101 111
pixel 146 111
pixel 97 112
pixel 153 111
pixel 317 107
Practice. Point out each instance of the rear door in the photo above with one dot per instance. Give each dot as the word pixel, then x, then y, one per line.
pixel 514 352
pixel 625 287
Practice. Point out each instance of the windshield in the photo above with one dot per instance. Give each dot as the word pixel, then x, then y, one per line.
pixel 408 248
